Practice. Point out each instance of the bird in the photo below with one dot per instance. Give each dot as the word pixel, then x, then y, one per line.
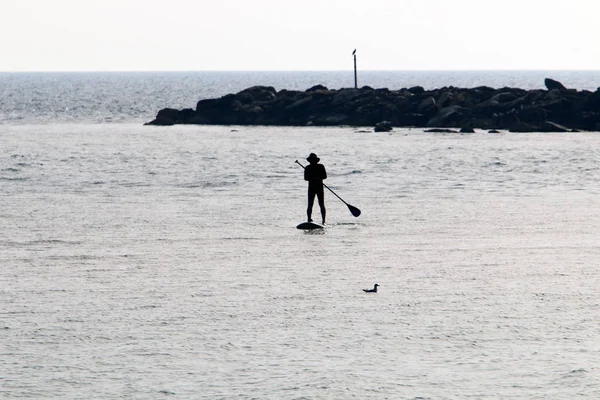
pixel 374 290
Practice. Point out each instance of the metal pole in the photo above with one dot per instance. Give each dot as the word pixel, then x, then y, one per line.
pixel 355 76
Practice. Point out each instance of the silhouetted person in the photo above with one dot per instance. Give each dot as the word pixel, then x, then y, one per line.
pixel 315 173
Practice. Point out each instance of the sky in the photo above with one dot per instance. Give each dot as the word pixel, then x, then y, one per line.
pixel 317 35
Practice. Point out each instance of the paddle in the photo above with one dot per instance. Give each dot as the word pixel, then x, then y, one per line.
pixel 355 211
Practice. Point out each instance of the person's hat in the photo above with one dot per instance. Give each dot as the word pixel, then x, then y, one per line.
pixel 312 157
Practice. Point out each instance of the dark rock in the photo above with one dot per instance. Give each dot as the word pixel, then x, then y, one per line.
pixel 317 88
pixel 551 84
pixel 169 113
pixel 416 90
pixel 441 130
pixel 185 115
pixel 591 102
pixel 304 102
pixel 500 103
pixel 554 94
pixel 445 99
pixel 532 115
pixel 198 120
pixel 467 130
pixel 161 121
pixel 344 96
pixel 411 119
pixel 587 121
pixel 383 126
pixel 257 93
pixel 504 97
pixel 523 127
pixel 337 119
pixel 427 106
pixel 482 107
pixel 549 126
pixel 446 117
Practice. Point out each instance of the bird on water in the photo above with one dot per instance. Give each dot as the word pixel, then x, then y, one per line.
pixel 374 290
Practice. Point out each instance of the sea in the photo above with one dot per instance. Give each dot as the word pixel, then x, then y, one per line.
pixel 145 262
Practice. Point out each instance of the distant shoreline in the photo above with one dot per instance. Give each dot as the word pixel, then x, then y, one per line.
pixel 553 109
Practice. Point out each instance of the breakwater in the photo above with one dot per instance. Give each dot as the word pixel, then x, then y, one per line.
pixel 553 109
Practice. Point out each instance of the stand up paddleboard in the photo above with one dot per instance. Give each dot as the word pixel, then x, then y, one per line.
pixel 309 226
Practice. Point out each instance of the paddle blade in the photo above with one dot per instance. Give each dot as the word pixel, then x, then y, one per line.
pixel 355 211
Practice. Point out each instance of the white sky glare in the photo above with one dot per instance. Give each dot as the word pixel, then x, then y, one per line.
pixel 215 35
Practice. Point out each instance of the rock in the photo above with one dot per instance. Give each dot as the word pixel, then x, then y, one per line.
pixel 198 120
pixel 445 99
pixel 532 115
pixel 441 130
pixel 166 117
pixel 318 88
pixel 523 127
pixel 504 97
pixel 344 96
pixel 336 119
pixel 467 130
pixel 161 121
pixel 549 126
pixel 411 119
pixel 554 94
pixel 383 126
pixel 416 90
pixel 445 116
pixel 592 102
pixel 185 115
pixel 169 113
pixel 499 103
pixel 482 107
pixel 427 106
pixel 551 84
pixel 300 103
pixel 257 93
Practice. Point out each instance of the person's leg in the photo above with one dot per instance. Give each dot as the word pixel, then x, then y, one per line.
pixel 311 201
pixel 321 198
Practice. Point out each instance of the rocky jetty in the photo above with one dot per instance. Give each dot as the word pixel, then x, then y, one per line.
pixel 555 109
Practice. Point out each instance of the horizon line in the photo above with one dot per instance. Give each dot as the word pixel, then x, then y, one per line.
pixel 298 70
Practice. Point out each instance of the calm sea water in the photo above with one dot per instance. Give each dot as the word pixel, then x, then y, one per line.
pixel 164 263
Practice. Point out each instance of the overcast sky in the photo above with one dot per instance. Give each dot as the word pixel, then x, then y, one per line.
pixel 187 35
